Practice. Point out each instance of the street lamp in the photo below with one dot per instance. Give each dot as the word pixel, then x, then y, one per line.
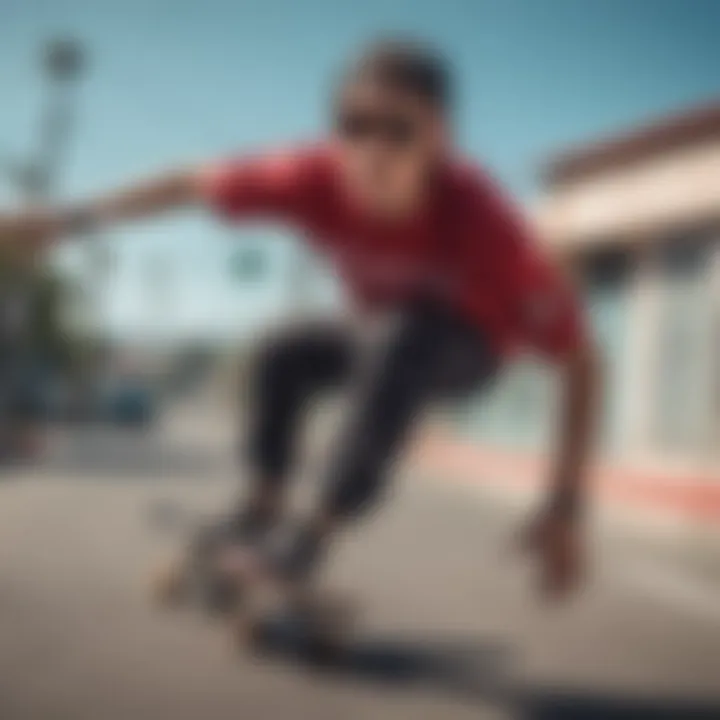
pixel 63 61
pixel 34 177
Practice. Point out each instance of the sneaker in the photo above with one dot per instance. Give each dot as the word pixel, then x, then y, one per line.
pixel 294 554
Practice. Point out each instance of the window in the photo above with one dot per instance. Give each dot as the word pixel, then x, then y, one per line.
pixel 682 397
pixel 607 279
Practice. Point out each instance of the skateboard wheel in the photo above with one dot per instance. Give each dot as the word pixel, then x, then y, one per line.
pixel 323 651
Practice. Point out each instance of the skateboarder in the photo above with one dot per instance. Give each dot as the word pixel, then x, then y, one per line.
pixel 419 236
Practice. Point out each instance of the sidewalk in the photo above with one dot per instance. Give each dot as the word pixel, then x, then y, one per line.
pixel 686 498
pixel 662 528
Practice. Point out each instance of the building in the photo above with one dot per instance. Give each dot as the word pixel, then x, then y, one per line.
pixel 638 217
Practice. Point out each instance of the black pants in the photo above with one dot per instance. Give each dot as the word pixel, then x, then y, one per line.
pixel 433 354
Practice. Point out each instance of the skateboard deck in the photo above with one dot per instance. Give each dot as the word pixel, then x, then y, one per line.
pixel 197 574
pixel 272 615
pixel 318 632
pixel 190 579
pixel 266 614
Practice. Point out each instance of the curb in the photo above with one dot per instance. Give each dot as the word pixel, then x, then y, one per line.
pixel 677 496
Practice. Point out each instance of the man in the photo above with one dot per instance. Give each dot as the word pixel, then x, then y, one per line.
pixel 414 231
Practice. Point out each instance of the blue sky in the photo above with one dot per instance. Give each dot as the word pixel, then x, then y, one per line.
pixel 178 80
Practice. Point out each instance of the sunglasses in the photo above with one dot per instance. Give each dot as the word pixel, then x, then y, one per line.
pixel 394 129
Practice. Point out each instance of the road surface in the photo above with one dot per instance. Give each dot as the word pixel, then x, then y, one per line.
pixel 450 626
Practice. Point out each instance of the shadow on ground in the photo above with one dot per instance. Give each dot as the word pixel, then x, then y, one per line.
pixel 480 671
pixel 544 704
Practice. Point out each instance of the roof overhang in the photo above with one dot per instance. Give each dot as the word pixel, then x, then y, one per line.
pixel 649 198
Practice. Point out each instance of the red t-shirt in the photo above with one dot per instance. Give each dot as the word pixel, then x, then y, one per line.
pixel 467 245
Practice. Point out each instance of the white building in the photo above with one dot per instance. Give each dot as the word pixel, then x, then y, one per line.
pixel 638 216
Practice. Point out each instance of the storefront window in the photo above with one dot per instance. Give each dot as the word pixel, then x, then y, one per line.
pixel 607 280
pixel 684 353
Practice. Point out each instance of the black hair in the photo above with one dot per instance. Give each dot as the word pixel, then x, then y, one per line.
pixel 408 66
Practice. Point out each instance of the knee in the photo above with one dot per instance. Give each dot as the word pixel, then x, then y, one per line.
pixel 275 371
pixel 275 397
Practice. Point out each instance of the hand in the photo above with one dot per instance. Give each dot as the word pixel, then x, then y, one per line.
pixel 29 232
pixel 555 539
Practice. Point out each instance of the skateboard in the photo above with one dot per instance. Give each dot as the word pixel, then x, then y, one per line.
pixel 198 575
pixel 308 622
pixel 266 614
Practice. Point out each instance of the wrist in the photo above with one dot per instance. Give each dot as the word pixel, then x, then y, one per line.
pixel 78 220
pixel 564 502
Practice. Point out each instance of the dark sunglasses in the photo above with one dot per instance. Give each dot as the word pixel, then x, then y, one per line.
pixel 394 129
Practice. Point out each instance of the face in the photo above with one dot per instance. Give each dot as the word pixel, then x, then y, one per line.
pixel 388 143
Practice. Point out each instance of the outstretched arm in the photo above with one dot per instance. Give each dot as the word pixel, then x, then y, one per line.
pixel 548 318
pixel 146 198
pixel 266 185
pixel 34 228
pixel 557 534
pixel 578 411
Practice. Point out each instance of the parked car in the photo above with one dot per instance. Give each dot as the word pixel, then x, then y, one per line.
pixel 130 404
pixel 119 402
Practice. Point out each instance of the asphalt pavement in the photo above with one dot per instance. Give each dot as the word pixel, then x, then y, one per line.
pixel 450 625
